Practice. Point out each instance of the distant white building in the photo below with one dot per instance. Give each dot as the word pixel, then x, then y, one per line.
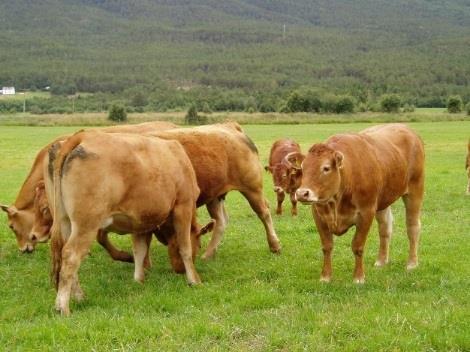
pixel 8 91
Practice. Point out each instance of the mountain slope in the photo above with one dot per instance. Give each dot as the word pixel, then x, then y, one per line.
pixel 419 47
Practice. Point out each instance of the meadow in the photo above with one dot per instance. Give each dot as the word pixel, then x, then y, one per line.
pixel 250 299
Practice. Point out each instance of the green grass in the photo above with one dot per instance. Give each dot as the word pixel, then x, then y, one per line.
pixel 250 298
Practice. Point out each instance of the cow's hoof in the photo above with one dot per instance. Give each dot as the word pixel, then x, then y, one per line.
pixel 411 266
pixel 139 279
pixel 325 279
pixel 208 256
pixel 359 280
pixel 380 263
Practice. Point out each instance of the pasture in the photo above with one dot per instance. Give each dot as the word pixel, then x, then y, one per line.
pixel 251 299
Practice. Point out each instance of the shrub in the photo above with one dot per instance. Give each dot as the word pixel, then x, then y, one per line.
pixel 117 113
pixel 467 108
pixel 390 103
pixel 193 118
pixel 296 102
pixel 344 104
pixel 206 108
pixel 454 104
pixel 408 108
pixel 362 107
pixel 139 100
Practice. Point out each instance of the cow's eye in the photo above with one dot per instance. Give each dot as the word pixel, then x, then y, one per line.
pixel 44 211
pixel 284 176
pixel 326 169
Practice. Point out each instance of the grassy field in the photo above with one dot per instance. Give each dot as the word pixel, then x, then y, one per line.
pixel 250 298
pixel 29 95
pixel 178 117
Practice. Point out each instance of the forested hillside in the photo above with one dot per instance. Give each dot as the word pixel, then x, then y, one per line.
pixel 417 48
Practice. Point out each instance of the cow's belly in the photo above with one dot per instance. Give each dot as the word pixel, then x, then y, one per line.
pixel 124 223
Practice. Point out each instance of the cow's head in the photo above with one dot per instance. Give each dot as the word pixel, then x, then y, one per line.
pixel 20 222
pixel 287 174
pixel 321 178
pixel 196 232
pixel 42 216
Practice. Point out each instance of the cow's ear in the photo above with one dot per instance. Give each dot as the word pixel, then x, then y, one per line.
pixel 10 210
pixel 339 158
pixel 207 228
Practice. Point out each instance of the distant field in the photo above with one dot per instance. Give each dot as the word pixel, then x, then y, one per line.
pixel 29 95
pixel 100 119
pixel 252 300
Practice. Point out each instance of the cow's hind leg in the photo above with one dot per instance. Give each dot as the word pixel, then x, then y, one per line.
pixel 182 215
pixel 413 226
pixel 468 184
pixel 140 248
pixel 385 221
pixel 261 208
pixel 217 212
pixel 73 252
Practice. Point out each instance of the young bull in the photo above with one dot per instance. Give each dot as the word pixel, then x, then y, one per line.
pixel 21 213
pixel 134 189
pixel 286 178
pixel 352 178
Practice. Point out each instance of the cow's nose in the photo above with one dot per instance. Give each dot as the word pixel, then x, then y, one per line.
pixel 277 189
pixel 305 195
pixel 34 237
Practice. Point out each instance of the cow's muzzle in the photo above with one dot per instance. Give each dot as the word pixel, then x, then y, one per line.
pixel 306 196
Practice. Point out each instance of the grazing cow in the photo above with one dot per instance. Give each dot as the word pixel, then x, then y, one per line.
pixel 21 213
pixel 224 159
pixel 286 178
pixel 467 167
pixel 131 189
pixel 352 178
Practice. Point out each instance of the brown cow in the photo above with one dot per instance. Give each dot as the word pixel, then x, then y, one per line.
pixel 224 159
pixel 286 178
pixel 131 189
pixel 467 167
pixel 351 178
pixel 164 233
pixel 21 213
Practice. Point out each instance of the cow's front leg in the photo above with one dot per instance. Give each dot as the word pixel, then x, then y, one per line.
pixel 362 229
pixel 326 238
pixel 385 221
pixel 293 200
pixel 468 184
pixel 280 198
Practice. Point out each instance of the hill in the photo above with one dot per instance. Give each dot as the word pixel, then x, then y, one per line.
pixel 418 48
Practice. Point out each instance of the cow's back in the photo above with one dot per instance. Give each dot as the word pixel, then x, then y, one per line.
pixel 381 161
pixel 280 149
pixel 127 174
pixel 223 157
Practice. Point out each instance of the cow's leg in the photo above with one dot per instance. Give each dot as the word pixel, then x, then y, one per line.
pixel 293 200
pixel 261 208
pixel 326 238
pixel 115 253
pixel 147 260
pixel 359 240
pixel 280 198
pixel 468 184
pixel 413 226
pixel 385 221
pixel 73 252
pixel 140 248
pixel 217 212
pixel 182 215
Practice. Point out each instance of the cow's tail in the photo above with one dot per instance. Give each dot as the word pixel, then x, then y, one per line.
pixel 57 155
